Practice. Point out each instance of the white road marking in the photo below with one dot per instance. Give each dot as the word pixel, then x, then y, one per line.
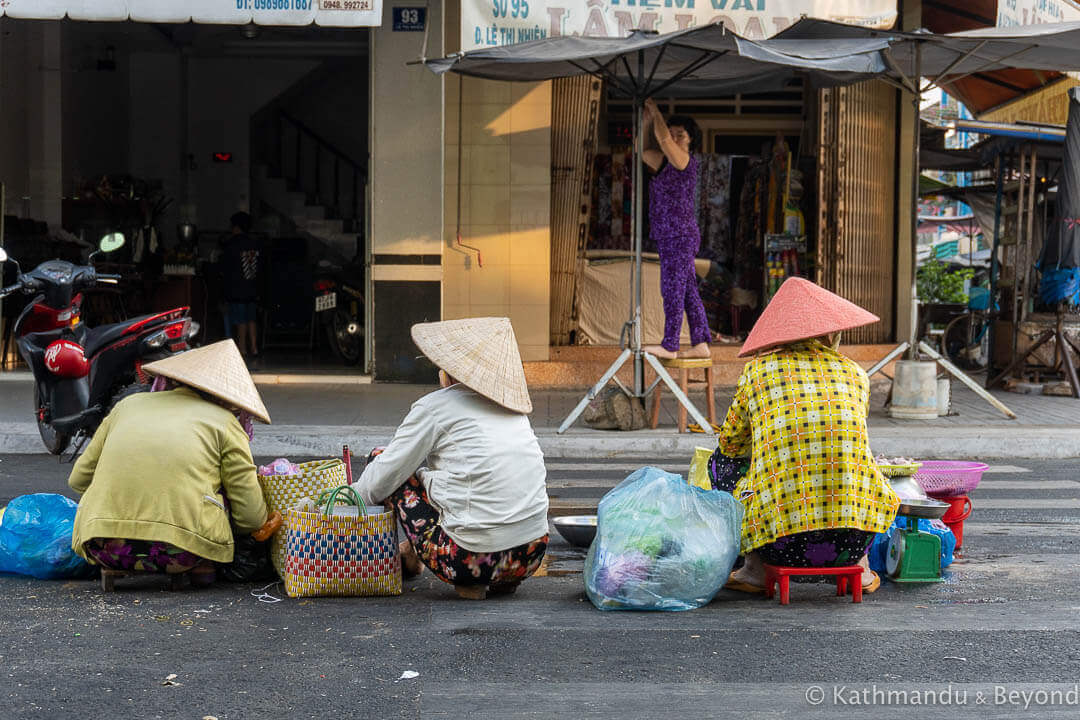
pixel 1029 485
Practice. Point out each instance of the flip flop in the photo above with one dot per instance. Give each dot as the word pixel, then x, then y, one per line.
pixel 873 585
pixel 739 585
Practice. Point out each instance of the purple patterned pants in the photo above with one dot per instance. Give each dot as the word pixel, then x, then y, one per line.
pixel 678 286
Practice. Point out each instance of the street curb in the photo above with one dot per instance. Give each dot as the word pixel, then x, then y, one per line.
pixel 910 439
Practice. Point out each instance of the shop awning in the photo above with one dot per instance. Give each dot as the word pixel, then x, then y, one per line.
pixel 328 13
pixel 983 91
pixel 697 61
pixel 1022 131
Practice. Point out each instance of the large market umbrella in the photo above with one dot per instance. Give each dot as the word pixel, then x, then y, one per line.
pixel 946 59
pixel 1062 248
pixel 952 56
pixel 706 60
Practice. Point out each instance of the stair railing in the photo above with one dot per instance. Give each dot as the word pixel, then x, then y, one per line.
pixel 316 167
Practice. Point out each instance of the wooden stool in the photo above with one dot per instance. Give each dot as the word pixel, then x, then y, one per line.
pixel 844 575
pixel 684 366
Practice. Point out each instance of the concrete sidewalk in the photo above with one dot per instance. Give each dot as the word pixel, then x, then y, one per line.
pixel 319 419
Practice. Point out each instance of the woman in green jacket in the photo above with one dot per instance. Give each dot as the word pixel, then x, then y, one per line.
pixel 166 471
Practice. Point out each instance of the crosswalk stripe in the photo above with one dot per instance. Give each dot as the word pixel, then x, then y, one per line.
pixel 980 504
pixel 1014 529
pixel 1029 485
pixel 1026 503
pixel 598 480
pixel 679 466
pixel 813 609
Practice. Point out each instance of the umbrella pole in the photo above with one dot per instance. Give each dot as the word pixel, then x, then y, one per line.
pixel 635 334
pixel 914 344
pixel 913 333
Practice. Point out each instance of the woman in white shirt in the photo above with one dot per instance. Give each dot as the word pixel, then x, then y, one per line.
pixel 475 512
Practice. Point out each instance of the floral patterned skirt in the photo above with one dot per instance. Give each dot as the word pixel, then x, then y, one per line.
pixel 818 548
pixel 140 555
pixel 451 562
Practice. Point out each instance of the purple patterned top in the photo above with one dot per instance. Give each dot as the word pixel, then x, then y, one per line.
pixel 671 201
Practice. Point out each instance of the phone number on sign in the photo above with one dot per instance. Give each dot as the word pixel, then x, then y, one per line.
pixel 277 4
pixel 345 5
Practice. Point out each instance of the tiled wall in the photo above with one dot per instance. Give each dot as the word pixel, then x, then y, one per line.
pixel 505 180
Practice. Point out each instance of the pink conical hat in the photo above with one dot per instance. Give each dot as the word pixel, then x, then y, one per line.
pixel 801 310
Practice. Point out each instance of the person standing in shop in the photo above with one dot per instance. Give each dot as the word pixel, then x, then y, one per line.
pixel 674 228
pixel 240 265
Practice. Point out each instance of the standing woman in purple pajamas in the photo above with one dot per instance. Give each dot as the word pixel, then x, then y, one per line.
pixel 673 225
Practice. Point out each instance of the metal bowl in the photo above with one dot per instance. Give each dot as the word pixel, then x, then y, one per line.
pixel 930 509
pixel 577 530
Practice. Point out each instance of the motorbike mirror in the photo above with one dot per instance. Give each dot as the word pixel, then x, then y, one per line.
pixel 3 255
pixel 112 241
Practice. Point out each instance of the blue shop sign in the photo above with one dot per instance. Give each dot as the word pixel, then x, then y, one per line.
pixel 409 19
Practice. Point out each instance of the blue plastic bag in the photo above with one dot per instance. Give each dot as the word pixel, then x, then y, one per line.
pixel 879 549
pixel 35 538
pixel 661 544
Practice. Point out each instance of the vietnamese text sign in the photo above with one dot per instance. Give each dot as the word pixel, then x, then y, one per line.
pixel 335 13
pixel 486 23
pixel 1035 12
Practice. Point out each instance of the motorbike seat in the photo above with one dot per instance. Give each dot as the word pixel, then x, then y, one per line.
pixel 99 337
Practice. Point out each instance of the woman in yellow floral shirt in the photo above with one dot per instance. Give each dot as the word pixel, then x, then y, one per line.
pixel 812 493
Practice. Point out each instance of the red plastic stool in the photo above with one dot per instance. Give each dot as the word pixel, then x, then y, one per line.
pixel 849 573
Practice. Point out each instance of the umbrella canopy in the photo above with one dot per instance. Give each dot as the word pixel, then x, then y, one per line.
pixel 697 61
pixel 1062 247
pixel 1051 46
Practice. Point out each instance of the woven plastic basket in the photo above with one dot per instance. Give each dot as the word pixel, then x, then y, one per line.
pixel 948 478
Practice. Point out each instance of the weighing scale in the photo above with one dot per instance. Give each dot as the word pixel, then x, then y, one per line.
pixel 914 555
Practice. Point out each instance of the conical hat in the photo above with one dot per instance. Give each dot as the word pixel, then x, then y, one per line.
pixel 801 310
pixel 217 369
pixel 481 353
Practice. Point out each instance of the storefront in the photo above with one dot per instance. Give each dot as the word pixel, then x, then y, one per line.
pixel 168 119
pixel 460 197
pixel 773 201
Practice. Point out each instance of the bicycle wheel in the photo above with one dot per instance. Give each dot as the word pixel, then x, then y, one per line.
pixel 966 342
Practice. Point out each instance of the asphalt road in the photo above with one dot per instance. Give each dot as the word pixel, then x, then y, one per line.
pixel 1004 624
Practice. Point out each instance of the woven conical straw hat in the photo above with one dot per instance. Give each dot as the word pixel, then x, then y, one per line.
pixel 801 310
pixel 217 369
pixel 481 353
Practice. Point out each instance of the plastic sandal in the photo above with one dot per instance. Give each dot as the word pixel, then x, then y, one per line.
pixel 873 585
pixel 733 584
pixel 471 592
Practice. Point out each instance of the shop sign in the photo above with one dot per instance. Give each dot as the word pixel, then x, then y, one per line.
pixel 409 19
pixel 488 23
pixel 1036 12
pixel 332 13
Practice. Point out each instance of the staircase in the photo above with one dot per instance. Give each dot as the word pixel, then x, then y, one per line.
pixel 312 188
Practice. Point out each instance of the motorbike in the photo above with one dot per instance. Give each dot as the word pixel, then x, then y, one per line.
pixel 79 372
pixel 338 308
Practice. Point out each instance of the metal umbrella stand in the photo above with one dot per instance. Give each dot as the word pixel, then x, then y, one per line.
pixel 1060 253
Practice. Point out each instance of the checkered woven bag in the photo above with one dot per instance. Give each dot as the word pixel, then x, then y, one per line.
pixel 340 555
pixel 284 491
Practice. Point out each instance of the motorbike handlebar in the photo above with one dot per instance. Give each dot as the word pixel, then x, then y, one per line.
pixel 4 292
